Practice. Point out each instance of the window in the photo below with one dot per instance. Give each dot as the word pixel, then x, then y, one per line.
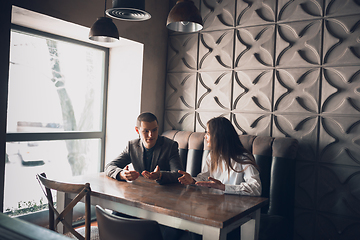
pixel 56 113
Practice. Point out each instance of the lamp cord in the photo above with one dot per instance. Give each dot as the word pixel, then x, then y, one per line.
pixel 105 9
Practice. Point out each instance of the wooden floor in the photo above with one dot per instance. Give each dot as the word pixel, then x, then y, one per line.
pixel 94 223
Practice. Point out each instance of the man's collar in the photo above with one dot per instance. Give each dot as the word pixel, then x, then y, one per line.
pixel 150 149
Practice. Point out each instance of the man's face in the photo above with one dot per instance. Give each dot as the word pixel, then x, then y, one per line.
pixel 148 132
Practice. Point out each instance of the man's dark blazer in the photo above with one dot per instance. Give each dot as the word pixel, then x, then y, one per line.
pixel 166 155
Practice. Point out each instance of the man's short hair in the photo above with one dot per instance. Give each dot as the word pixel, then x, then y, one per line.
pixel 146 117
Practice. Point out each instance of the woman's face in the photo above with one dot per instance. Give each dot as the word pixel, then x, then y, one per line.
pixel 207 137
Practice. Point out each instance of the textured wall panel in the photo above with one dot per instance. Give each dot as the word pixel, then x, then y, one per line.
pixel 252 124
pixel 281 68
pixel 339 190
pixel 255 12
pixel 305 225
pixel 184 120
pixel 342 40
pixel 340 140
pixel 254 47
pixel 253 90
pixel 304 128
pixel 336 227
pixel 182 52
pixel 218 14
pixel 341 90
pixel 203 117
pixel 216 50
pixel 342 7
pixel 299 44
pixel 297 90
pixel 214 91
pixel 295 10
pixel 180 91
pixel 306 185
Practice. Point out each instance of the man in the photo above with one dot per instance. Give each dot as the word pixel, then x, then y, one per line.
pixel 154 157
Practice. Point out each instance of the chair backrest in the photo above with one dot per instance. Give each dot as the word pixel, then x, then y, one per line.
pixel 112 227
pixel 82 190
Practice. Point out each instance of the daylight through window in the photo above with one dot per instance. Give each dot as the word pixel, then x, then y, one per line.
pixel 55 119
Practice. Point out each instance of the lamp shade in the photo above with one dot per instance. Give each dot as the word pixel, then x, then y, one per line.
pixel 129 10
pixel 104 30
pixel 184 17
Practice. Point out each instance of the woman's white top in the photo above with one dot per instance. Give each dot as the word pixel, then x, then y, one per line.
pixel 246 181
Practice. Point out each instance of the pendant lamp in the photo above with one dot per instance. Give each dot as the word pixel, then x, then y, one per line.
pixel 104 30
pixel 129 10
pixel 184 17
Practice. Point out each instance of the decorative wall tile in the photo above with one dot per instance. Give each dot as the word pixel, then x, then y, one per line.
pixel 183 120
pixel 182 52
pixel 336 227
pixel 218 14
pixel 338 190
pixel 255 12
pixel 214 91
pixel 253 90
pixel 281 68
pixel 203 117
pixel 340 140
pixel 302 127
pixel 305 190
pixel 305 225
pixel 254 47
pixel 297 90
pixel 180 91
pixel 341 90
pixel 252 124
pixel 291 10
pixel 342 40
pixel 342 7
pixel 299 44
pixel 216 50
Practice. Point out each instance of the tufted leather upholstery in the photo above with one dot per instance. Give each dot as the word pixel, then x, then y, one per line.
pixel 276 159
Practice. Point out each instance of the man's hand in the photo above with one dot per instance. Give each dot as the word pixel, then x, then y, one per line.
pixel 213 183
pixel 127 175
pixel 186 178
pixel 155 175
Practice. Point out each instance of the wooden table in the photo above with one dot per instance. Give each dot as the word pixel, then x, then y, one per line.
pixel 201 210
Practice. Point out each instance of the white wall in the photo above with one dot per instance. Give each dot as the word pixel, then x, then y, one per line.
pixel 124 93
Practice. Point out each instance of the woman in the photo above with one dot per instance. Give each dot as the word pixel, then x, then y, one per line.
pixel 229 166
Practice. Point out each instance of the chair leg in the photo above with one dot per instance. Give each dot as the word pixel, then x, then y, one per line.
pixel 87 217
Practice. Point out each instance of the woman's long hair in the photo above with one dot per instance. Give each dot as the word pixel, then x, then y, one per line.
pixel 226 145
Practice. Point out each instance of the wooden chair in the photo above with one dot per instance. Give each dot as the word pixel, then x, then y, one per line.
pixel 112 227
pixel 82 190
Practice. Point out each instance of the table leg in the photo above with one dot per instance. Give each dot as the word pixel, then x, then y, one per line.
pixel 250 229
pixel 62 200
pixel 257 224
pixel 211 233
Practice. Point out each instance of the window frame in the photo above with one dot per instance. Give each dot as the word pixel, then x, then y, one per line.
pixel 75 135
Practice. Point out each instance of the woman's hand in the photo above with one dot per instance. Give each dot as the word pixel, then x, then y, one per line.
pixel 186 178
pixel 213 183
